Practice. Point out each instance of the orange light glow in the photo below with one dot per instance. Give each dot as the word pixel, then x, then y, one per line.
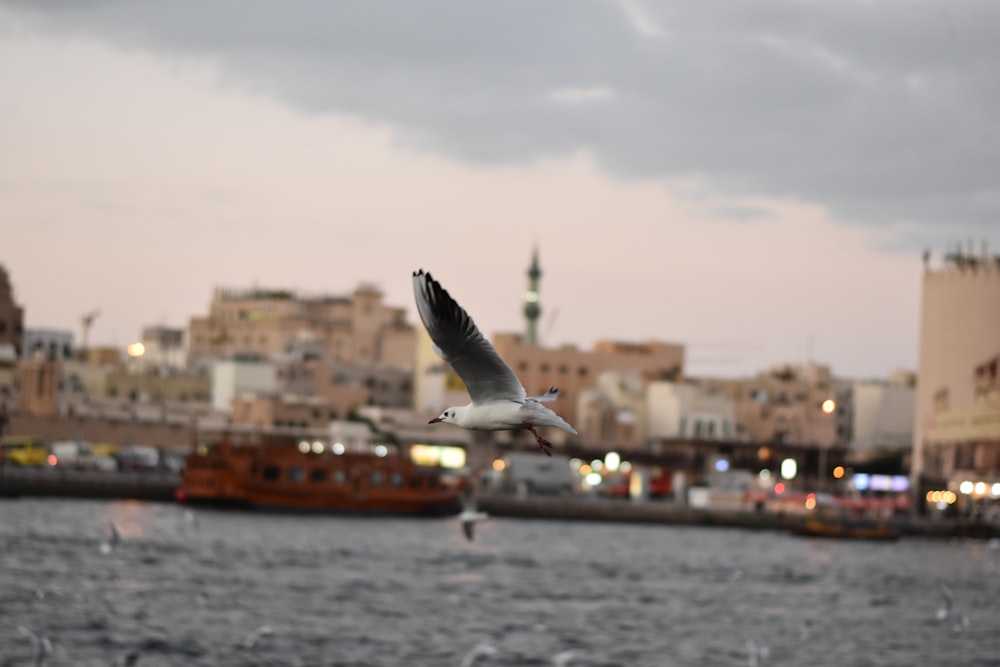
pixel 838 472
pixel 499 465
pixel 779 488
pixel 53 460
pixel 828 406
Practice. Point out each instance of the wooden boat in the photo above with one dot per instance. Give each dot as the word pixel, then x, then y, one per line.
pixel 283 472
pixel 828 518
pixel 814 526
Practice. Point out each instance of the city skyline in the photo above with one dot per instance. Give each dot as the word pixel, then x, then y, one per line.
pixel 146 163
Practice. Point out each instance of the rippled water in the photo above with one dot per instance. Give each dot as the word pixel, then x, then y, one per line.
pixel 355 591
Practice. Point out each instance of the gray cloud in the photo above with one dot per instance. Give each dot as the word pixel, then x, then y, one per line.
pixel 883 112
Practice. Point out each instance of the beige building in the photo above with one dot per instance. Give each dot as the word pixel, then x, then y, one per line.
pixel 359 329
pixel 784 404
pixel 163 349
pixel 573 370
pixel 180 387
pixel 11 315
pixel 38 381
pixel 956 443
pixel 882 413
pixel 676 410
pixel 266 412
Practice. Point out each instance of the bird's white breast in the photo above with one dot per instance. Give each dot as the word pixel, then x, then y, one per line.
pixel 492 416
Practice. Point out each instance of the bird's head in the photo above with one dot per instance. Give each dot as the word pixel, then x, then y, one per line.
pixel 449 416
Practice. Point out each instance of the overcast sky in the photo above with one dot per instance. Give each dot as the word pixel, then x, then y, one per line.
pixel 755 180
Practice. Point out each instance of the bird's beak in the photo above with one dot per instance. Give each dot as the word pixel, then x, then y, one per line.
pixel 434 421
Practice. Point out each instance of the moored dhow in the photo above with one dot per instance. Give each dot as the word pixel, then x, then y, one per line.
pixel 291 473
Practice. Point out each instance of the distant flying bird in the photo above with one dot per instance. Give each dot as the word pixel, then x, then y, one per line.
pixel 947 603
pixel 480 650
pixel 470 517
pixel 191 519
pixel 949 612
pixel 499 401
pixel 114 538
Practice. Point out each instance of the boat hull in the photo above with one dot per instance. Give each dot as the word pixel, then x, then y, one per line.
pixel 812 527
pixel 278 476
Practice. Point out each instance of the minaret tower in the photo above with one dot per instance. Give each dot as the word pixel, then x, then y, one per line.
pixel 532 309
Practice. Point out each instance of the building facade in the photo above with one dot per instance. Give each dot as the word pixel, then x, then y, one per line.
pixel 11 315
pixel 956 443
pixel 48 343
pixel 882 414
pixel 356 329
pixel 164 349
pixel 787 403
pixel 574 371
pixel 677 410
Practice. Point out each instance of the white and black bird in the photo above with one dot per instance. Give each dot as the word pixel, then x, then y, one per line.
pixel 470 516
pixel 949 612
pixel 499 400
pixel 114 538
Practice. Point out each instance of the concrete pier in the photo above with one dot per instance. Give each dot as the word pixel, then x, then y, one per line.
pixel 153 486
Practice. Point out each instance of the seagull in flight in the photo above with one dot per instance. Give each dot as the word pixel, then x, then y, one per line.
pixel 470 516
pixel 499 401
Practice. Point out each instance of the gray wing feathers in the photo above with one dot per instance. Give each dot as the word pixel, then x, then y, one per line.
pixel 459 342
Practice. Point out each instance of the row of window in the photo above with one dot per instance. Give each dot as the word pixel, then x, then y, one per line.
pixel 376 478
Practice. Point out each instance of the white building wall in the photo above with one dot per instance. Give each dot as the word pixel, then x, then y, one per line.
pixel 48 342
pixel 883 415
pixel 687 410
pixel 231 378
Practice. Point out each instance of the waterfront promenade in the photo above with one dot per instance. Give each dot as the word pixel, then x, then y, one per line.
pixel 160 486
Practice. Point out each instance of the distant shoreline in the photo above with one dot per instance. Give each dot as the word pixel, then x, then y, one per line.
pixel 160 486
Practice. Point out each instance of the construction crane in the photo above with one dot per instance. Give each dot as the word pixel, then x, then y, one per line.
pixel 87 321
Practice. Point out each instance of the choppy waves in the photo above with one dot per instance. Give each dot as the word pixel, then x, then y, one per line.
pixel 231 588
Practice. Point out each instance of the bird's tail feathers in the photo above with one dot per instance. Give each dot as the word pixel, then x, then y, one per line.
pixel 550 418
pixel 550 395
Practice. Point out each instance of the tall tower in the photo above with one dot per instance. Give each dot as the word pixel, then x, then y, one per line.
pixel 532 309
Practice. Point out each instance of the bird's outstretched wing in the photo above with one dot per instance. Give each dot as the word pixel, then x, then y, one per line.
pixel 484 373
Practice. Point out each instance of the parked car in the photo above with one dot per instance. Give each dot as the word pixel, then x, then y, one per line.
pixel 138 457
pixel 23 451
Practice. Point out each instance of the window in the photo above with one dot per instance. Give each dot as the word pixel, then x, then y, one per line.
pixel 272 473
pixel 317 475
pixel 582 371
pixel 396 480
pixel 339 476
pixel 375 478
pixel 295 474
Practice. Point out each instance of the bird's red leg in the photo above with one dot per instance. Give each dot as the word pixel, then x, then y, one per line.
pixel 543 444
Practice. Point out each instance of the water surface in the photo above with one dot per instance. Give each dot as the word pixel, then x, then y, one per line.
pixel 380 591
